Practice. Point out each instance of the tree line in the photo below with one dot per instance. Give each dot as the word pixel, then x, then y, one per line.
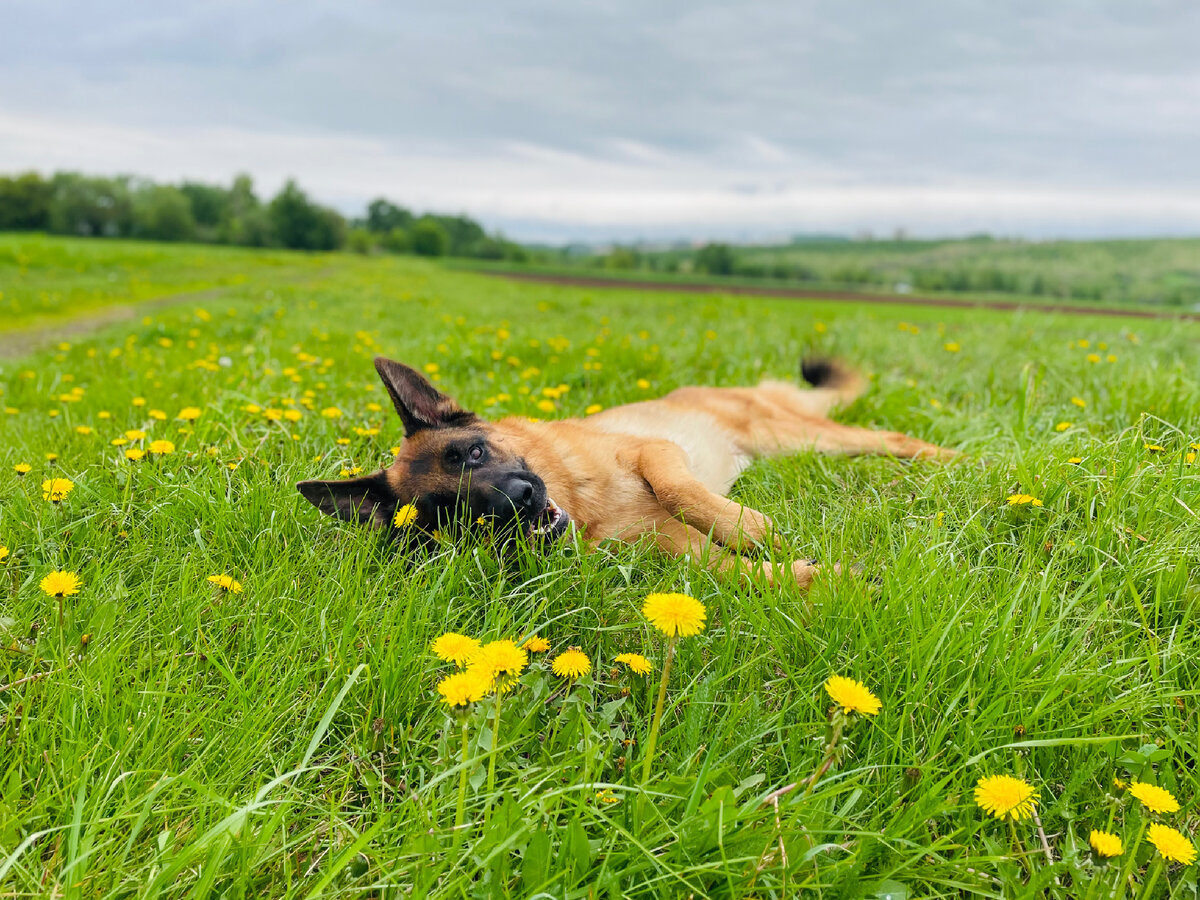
pixel 130 207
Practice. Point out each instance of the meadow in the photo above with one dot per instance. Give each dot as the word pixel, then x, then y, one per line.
pixel 241 697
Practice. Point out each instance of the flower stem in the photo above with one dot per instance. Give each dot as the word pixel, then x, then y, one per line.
pixel 1152 878
pixel 491 781
pixel 1130 857
pixel 658 708
pixel 459 812
pixel 835 736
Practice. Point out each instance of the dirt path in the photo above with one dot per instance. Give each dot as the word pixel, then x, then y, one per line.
pixel 24 341
pixel 832 296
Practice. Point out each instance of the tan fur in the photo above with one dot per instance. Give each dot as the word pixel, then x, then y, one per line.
pixel 661 467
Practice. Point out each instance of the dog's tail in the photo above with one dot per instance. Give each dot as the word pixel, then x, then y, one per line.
pixel 834 383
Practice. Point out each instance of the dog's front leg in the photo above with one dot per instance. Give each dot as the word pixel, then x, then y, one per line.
pixel 681 539
pixel 664 467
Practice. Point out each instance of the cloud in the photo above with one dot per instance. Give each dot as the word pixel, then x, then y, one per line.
pixel 620 119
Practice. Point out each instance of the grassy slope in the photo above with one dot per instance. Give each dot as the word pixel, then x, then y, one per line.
pixel 238 743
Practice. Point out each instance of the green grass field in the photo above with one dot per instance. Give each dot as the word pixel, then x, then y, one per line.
pixel 161 737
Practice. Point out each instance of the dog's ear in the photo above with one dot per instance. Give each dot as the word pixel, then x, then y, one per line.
pixel 418 402
pixel 368 500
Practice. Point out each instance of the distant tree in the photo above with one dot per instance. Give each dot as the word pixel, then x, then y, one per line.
pixel 622 258
pixel 245 221
pixel 163 213
pixel 396 241
pixel 359 240
pixel 383 216
pixel 715 259
pixel 429 238
pixel 25 202
pixel 463 234
pixel 100 207
pixel 300 224
pixel 208 202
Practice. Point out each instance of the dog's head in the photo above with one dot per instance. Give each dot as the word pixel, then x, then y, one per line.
pixel 454 469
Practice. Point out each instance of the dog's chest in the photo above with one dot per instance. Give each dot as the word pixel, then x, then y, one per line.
pixel 713 454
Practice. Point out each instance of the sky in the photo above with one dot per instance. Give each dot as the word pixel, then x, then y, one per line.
pixel 614 120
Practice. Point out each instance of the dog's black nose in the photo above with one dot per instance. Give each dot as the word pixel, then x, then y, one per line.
pixel 524 490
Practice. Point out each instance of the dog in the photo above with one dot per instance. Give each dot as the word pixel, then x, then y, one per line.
pixel 657 469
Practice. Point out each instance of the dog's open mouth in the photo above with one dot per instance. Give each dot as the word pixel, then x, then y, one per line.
pixel 550 523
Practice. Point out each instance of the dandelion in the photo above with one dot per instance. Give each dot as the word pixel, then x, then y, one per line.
pixel 135 434
pixel 951 347
pixel 536 644
pixel 571 663
pixel 118 442
pixel 158 415
pixel 593 409
pixel 1079 401
pixel 3 553
pixel 60 584
pixel 1105 844
pixel 463 688
pixel 161 448
pixel 56 489
pixel 84 430
pixel 1075 460
pixel 454 647
pixel 138 401
pixel 405 516
pixel 189 414
pixel 1004 795
pixel 22 469
pixel 643 384
pixel 852 696
pixel 1154 798
pixel 1153 448
pixel 331 412
pixel 637 663
pixel 1023 500
pixel 674 614
pixel 352 471
pixel 226 583
pixel 1062 426
pixel 1171 844
pixel 607 797
pixel 51 457
pixel 133 454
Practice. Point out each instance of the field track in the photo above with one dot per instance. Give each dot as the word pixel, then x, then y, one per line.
pixel 833 296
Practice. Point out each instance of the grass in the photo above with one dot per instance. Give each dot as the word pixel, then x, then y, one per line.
pixel 288 740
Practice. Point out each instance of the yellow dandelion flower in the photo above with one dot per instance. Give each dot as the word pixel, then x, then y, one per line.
pixel 353 470
pixel 293 415
pixel 3 553
pixel 1023 500
pixel 951 347
pixel 1004 795
pixel 162 448
pixel 226 583
pixel 546 405
pixel 138 401
pixel 85 430
pixel 454 647
pixel 499 659
pixel 1106 844
pixel 463 688
pixel 1062 426
pixel 1075 460
pixel 643 384
pixel 1153 448
pixel 593 409
pixel 331 412
pixel 852 696
pixel 118 442
pixel 571 663
pixel 158 415
pixel 607 797
pixel 1171 844
pixel 56 489
pixel 135 434
pixel 637 663
pixel 1154 798
pixel 22 469
pixel 134 455
pixel 60 584
pixel 405 516
pixel 674 614
pixel 189 414
pixel 1079 401
pixel 536 644
pixel 51 457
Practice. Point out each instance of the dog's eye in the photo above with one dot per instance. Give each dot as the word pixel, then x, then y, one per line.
pixel 476 453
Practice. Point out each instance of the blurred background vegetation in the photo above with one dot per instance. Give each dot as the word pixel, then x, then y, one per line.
pixel 1159 272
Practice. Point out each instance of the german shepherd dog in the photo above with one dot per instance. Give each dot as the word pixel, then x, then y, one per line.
pixel 659 468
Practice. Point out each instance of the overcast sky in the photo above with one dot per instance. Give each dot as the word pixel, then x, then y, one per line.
pixel 602 119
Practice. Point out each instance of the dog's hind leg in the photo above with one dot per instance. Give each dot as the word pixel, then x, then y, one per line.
pixel 663 465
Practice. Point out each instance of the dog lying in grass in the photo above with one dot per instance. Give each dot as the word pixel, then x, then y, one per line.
pixel 658 468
